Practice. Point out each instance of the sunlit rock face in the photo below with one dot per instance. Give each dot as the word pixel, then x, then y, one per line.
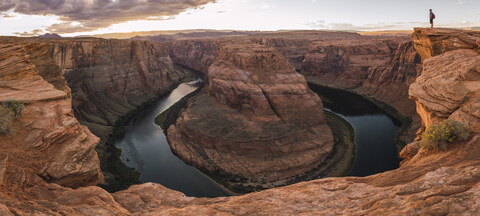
pixel 46 142
pixel 256 119
pixel 450 83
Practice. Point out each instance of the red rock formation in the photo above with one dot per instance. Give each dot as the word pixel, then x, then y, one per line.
pixel 46 142
pixel 347 62
pixel 260 120
pixel 109 78
pixel 199 53
pixel 450 83
pixel 294 45
pixel 379 67
pixel 437 41
pixel 194 54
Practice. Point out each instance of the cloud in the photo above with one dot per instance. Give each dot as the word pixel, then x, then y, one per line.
pixel 367 27
pixel 317 24
pixel 30 34
pixel 381 26
pixel 461 2
pixel 313 1
pixel 95 14
pixel 6 15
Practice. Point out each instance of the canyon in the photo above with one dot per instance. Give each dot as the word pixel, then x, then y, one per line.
pixel 380 67
pixel 49 165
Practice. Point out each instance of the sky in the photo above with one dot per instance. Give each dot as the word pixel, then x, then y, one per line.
pixel 86 17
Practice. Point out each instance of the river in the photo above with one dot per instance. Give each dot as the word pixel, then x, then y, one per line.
pixel 145 148
pixel 375 131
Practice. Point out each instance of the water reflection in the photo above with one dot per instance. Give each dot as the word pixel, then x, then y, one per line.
pixel 145 148
pixel 374 130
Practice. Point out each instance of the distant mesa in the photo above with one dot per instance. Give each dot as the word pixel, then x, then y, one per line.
pixel 48 35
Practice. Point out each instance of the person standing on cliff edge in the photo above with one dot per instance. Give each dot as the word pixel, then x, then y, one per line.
pixel 432 16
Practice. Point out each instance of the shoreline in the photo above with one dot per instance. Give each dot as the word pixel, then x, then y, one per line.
pixel 121 176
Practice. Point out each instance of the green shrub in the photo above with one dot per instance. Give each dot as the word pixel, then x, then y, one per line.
pixel 14 105
pixel 6 118
pixel 438 136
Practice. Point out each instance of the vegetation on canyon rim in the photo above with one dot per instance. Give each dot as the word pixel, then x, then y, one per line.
pixel 9 110
pixel 438 136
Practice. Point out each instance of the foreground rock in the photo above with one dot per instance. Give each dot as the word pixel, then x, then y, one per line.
pixel 257 122
pixel 450 84
pixel 46 143
pixel 433 42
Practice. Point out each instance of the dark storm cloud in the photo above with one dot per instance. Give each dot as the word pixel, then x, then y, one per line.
pixel 94 14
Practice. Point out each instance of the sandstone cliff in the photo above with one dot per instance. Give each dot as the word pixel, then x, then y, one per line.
pixel 347 62
pixel 195 54
pixel 377 66
pixel 257 120
pixel 46 142
pixel 109 78
pixel 450 83
pixel 294 45
pixel 199 53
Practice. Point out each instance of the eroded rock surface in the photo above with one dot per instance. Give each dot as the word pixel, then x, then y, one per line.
pixel 450 83
pixel 433 42
pixel 257 120
pixel 46 142
pixel 109 78
pixel 381 67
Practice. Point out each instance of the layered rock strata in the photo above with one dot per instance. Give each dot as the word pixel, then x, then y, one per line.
pixel 46 143
pixel 200 53
pixel 381 67
pixel 347 62
pixel 256 120
pixel 110 78
pixel 196 54
pixel 433 42
pixel 376 66
pixel 450 83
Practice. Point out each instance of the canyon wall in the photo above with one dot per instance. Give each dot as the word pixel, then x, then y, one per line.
pixel 195 54
pixel 46 142
pixel 381 67
pixel 199 53
pixel 110 78
pixel 256 120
